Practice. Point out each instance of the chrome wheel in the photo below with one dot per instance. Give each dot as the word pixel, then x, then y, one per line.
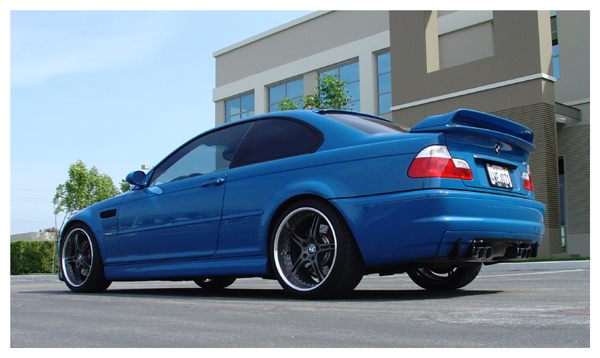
pixel 81 262
pixel 305 249
pixel 77 257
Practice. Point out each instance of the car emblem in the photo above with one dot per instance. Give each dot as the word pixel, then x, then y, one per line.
pixel 497 148
pixel 312 249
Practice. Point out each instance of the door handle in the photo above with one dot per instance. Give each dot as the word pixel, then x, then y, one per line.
pixel 214 181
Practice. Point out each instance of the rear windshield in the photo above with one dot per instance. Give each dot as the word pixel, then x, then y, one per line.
pixel 366 124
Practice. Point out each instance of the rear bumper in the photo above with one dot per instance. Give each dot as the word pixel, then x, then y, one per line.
pixel 426 225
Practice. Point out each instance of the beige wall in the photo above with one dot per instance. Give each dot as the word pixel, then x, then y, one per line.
pixel 318 35
pixel 498 62
pixel 511 79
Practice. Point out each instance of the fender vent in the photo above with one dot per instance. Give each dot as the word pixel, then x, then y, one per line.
pixel 108 214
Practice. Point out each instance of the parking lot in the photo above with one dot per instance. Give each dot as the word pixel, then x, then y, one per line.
pixel 534 308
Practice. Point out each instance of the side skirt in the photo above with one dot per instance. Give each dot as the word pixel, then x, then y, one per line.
pixel 188 269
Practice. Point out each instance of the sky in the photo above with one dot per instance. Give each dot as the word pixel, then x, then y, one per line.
pixel 114 89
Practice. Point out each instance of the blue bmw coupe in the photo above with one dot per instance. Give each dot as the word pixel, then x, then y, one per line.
pixel 318 199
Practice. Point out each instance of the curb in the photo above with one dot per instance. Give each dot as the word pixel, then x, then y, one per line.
pixel 543 265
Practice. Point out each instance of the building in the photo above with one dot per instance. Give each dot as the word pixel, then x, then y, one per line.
pixel 532 67
pixel 33 236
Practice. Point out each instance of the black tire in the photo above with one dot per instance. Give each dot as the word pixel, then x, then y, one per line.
pixel 215 283
pixel 81 261
pixel 443 279
pixel 313 253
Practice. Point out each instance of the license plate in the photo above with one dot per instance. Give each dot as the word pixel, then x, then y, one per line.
pixel 499 176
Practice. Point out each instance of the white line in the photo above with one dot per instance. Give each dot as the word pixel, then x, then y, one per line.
pixel 531 273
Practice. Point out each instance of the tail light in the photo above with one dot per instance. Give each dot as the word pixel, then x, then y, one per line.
pixel 527 182
pixel 436 162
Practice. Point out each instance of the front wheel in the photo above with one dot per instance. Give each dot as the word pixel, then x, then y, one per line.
pixel 81 262
pixel 313 252
pixel 444 279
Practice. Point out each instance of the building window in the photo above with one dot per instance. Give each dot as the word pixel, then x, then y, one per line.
pixel 384 82
pixel 555 59
pixel 239 107
pixel 563 204
pixel 348 73
pixel 293 90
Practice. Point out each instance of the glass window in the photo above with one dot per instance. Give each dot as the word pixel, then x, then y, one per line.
pixel 366 124
pixel 348 73
pixel 293 90
pixel 384 82
pixel 239 107
pixel 207 154
pixel 555 58
pixel 276 139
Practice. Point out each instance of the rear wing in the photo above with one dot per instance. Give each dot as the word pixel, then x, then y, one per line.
pixel 481 124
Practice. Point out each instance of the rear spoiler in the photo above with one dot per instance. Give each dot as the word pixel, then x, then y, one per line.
pixel 478 123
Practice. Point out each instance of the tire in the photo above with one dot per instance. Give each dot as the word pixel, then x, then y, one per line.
pixel 313 253
pixel 443 279
pixel 216 283
pixel 81 261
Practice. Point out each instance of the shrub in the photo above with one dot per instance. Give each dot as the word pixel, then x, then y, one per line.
pixel 31 257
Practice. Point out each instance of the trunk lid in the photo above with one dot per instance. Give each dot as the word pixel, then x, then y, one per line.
pixel 496 149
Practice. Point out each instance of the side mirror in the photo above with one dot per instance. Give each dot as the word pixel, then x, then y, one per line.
pixel 136 178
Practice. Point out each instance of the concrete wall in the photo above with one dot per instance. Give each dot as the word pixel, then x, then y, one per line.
pixel 509 77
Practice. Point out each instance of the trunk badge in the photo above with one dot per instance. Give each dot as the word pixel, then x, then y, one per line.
pixel 497 148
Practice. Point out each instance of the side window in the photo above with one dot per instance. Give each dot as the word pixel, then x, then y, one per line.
pixel 210 153
pixel 276 139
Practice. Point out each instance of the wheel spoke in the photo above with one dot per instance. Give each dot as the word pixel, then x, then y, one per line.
pixel 322 248
pixel 314 227
pixel 78 245
pixel 85 247
pixel 85 265
pixel 318 271
pixel 296 265
pixel 297 239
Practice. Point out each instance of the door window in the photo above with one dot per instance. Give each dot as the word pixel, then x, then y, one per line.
pixel 207 154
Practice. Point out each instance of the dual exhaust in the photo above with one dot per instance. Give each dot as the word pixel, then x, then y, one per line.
pixel 524 252
pixel 482 251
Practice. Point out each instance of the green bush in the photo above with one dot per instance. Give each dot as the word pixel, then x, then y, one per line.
pixel 31 257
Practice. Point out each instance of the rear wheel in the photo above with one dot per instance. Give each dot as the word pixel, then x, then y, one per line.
pixel 215 283
pixel 313 252
pixel 81 262
pixel 443 279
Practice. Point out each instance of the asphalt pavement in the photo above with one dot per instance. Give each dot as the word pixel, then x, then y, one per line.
pixel 525 305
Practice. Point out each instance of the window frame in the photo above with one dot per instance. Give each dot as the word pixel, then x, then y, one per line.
pixel 379 74
pixel 285 94
pixel 555 45
pixel 242 114
pixel 337 68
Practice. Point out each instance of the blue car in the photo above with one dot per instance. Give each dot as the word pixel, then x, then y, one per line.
pixel 318 199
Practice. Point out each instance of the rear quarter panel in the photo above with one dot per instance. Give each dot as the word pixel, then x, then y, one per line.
pixel 254 193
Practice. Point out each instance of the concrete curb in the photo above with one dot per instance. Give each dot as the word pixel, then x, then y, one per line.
pixel 542 265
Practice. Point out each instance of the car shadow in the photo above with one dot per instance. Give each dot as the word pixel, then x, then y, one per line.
pixel 279 294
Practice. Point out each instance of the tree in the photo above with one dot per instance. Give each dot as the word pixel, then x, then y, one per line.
pixel 84 188
pixel 331 93
pixel 125 186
